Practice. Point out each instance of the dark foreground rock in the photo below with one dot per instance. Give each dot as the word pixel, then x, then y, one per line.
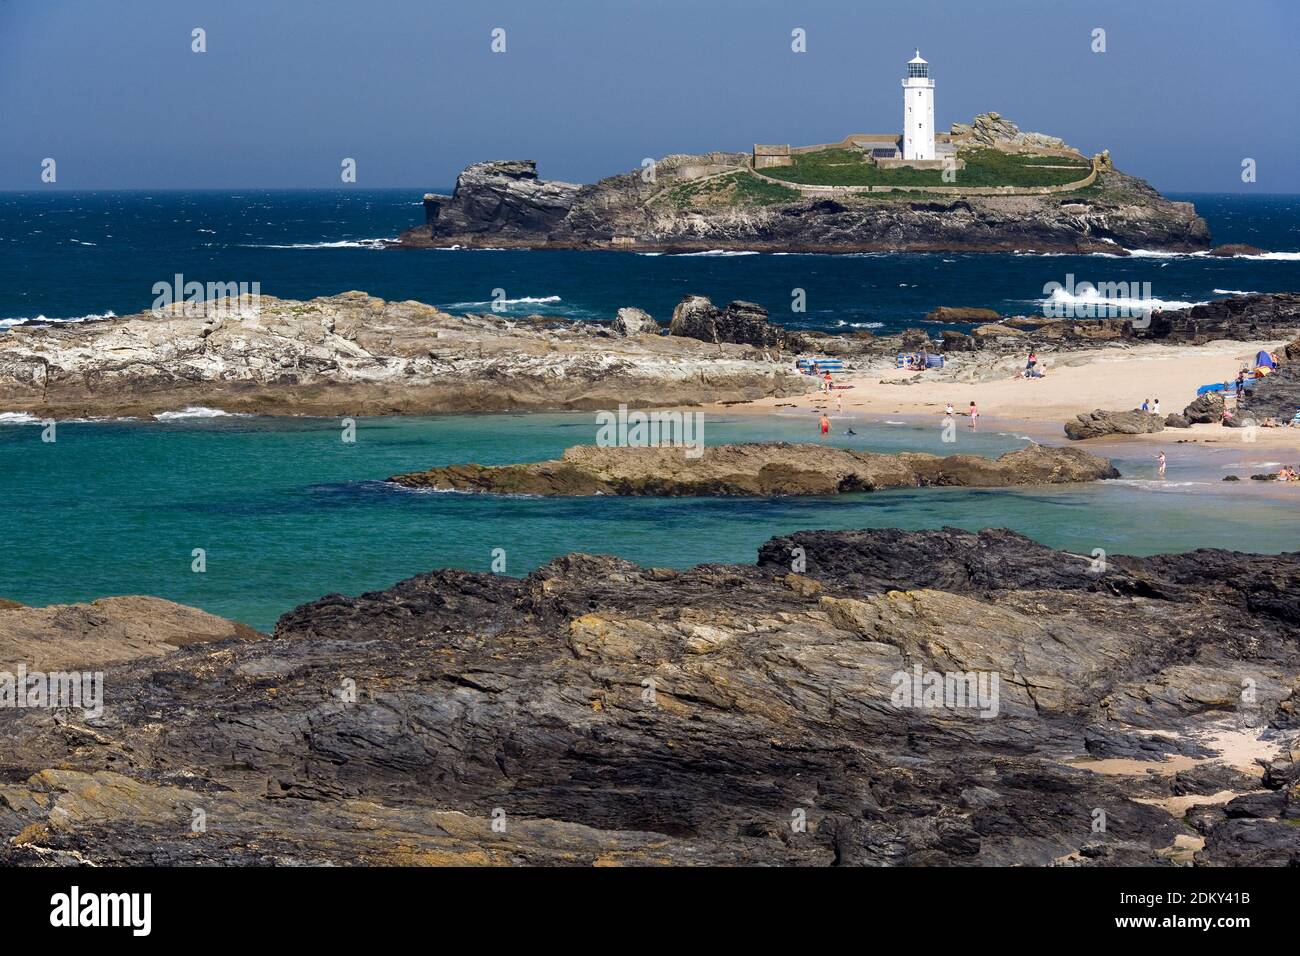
pixel 759 469
pixel 598 712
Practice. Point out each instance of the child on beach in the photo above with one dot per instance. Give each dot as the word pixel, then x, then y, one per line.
pixel 1155 406
pixel 974 414
pixel 1160 459
pixel 825 425
pixel 947 410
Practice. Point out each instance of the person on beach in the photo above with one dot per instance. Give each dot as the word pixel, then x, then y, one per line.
pixel 948 410
pixel 1033 360
pixel 825 425
pixel 974 414
pixel 1146 406
pixel 1160 459
pixel 1241 383
pixel 1155 406
pixel 826 383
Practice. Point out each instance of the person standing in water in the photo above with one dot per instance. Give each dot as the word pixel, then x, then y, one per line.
pixel 974 414
pixel 825 425
pixel 1160 459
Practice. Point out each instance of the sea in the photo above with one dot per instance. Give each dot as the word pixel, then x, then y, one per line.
pixel 247 517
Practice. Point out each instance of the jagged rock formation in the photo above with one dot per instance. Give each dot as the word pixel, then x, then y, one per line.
pixel 1205 409
pixel 759 469
pixel 1276 396
pixel 993 129
pixel 504 204
pixel 741 323
pixel 1245 317
pixel 353 354
pixel 1098 423
pixel 604 713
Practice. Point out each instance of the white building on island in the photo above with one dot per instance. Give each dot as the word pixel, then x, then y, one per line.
pixel 918 110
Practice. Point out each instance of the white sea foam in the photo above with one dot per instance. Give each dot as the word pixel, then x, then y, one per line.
pixel 18 418
pixel 722 252
pixel 341 244
pixel 196 411
pixel 10 323
pixel 1232 292
pixel 524 300
pixel 1259 256
pixel 1064 300
pixel 840 323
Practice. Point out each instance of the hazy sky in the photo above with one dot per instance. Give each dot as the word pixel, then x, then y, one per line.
pixel 410 88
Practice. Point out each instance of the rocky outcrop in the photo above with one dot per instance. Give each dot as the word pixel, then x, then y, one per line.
pixel 1205 409
pixel 1240 317
pixel 759 469
pixel 500 201
pixel 993 129
pixel 1099 423
pixel 1276 396
pixel 948 313
pixel 108 631
pixel 630 321
pixel 740 323
pixel 596 712
pixel 353 354
pixel 1236 249
pixel 504 204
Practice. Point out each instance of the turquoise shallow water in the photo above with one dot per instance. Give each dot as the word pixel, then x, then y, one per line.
pixel 287 512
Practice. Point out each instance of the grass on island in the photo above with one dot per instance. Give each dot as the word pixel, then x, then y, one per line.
pixel 984 167
pixel 733 189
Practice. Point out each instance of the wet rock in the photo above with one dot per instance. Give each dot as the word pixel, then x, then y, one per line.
pixel 758 469
pixel 974 316
pixel 1175 420
pixel 1236 249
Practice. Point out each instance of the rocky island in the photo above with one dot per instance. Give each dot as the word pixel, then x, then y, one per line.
pixel 1004 190
pixel 598 712
pixel 759 469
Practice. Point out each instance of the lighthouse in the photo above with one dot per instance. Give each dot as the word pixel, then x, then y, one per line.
pixel 918 110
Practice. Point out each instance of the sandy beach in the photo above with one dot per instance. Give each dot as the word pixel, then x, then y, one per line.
pixel 1075 381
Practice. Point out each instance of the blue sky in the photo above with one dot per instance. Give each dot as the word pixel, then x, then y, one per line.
pixel 410 88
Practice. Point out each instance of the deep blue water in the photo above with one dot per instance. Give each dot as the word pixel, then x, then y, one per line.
pixel 67 255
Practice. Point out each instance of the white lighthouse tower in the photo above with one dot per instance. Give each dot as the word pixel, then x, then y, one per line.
pixel 918 110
